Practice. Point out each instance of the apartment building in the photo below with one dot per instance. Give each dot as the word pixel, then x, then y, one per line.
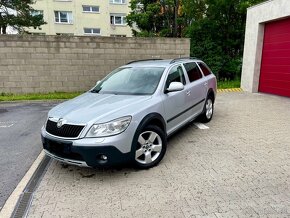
pixel 83 17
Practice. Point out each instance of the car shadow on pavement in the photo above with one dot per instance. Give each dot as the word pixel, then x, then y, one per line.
pixel 127 168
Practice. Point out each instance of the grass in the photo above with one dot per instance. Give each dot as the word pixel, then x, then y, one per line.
pixel 68 95
pixel 228 84
pixel 38 96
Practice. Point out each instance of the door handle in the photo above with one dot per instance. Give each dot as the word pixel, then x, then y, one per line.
pixel 205 84
pixel 188 93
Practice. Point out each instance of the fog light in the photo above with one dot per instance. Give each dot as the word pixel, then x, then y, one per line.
pixel 103 157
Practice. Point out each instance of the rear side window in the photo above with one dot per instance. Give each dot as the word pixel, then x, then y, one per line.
pixel 204 68
pixel 175 75
pixel 193 71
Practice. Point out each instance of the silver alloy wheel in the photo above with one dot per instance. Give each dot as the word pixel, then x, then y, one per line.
pixel 150 146
pixel 208 108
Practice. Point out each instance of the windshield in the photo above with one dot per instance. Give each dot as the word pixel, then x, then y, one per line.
pixel 131 81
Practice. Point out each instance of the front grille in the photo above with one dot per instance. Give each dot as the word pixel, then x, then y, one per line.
pixel 66 131
pixel 63 150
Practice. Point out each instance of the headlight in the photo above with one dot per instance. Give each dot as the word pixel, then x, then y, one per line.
pixel 113 127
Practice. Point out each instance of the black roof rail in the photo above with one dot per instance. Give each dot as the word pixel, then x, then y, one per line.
pixel 152 59
pixel 181 58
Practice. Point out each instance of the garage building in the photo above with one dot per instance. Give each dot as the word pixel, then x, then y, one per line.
pixel 266 61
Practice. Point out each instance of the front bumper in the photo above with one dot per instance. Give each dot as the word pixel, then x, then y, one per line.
pixel 70 152
pixel 65 160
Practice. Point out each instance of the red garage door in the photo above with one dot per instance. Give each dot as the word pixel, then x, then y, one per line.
pixel 275 66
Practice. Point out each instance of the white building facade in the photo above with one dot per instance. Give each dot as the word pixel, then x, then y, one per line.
pixel 83 17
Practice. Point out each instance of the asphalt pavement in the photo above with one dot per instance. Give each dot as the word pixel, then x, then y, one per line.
pixel 20 142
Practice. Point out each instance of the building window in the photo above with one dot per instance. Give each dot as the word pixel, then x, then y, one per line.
pixel 118 19
pixel 36 12
pixel 91 9
pixel 139 7
pixel 92 31
pixel 63 17
pixel 118 1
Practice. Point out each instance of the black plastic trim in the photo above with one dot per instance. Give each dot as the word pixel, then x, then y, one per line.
pixel 25 197
pixel 182 58
pixel 177 115
pixel 145 121
pixel 149 118
pixel 150 59
pixel 91 154
pixel 211 91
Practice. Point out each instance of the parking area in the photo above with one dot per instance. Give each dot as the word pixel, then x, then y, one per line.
pixel 238 167
pixel 20 145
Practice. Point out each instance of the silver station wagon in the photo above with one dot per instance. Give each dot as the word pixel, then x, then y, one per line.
pixel 128 115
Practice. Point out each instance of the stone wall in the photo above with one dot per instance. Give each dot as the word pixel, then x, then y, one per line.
pixel 31 64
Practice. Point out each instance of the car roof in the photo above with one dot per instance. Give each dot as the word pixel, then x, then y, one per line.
pixel 159 62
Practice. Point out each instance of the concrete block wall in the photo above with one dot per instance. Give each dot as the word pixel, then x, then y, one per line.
pixel 30 64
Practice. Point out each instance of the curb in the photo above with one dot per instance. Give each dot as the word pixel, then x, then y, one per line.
pixel 230 90
pixel 11 202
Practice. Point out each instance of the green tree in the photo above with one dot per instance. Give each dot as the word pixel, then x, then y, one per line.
pixel 155 17
pixel 218 37
pixel 144 15
pixel 18 14
pixel 216 28
pixel 166 18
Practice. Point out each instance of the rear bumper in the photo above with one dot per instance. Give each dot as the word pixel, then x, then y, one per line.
pixel 85 156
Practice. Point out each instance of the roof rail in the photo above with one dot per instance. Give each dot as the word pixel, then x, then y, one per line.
pixel 152 59
pixel 181 58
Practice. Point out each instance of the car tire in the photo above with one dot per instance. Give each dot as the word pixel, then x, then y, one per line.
pixel 149 147
pixel 208 109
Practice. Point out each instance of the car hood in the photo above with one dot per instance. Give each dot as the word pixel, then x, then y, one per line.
pixel 93 107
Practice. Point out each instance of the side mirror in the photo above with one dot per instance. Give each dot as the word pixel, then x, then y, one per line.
pixel 174 87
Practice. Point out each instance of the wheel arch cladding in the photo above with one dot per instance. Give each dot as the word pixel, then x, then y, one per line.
pixel 150 119
pixel 211 94
pixel 153 119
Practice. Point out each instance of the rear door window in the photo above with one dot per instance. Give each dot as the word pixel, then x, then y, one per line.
pixel 193 71
pixel 206 71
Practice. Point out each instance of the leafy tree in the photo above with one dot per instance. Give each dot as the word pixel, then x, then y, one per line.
pixel 218 37
pixel 216 28
pixel 166 18
pixel 18 14
pixel 155 17
pixel 145 15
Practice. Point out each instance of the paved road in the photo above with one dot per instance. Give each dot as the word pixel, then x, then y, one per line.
pixel 239 167
pixel 20 142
